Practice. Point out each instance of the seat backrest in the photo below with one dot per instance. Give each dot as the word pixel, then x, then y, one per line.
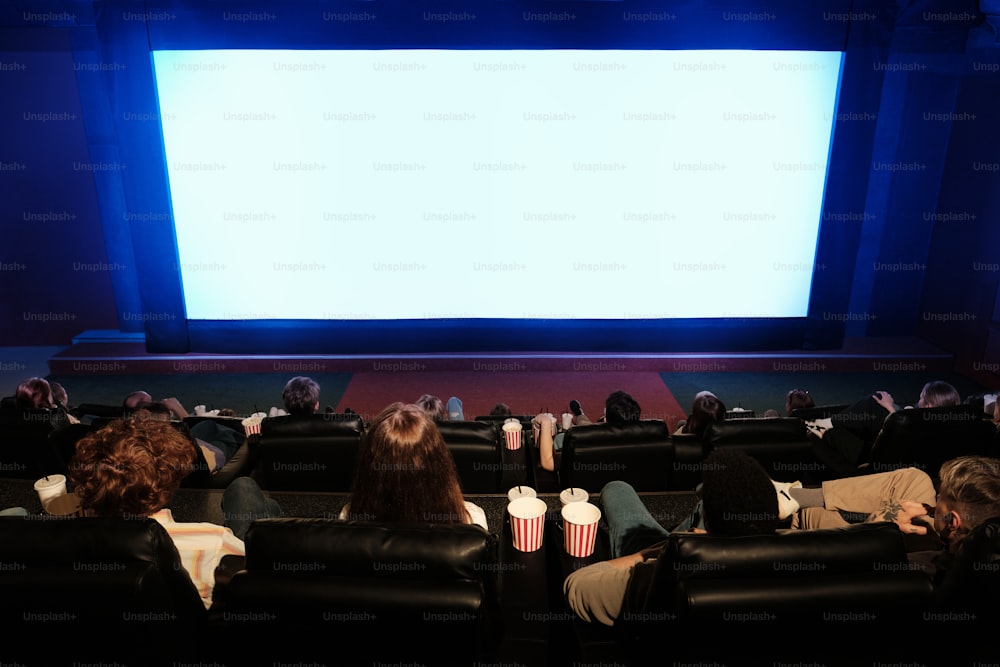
pixel 640 453
pixel 927 437
pixel 25 451
pixel 782 445
pixel 307 452
pixel 971 584
pixel 796 576
pixel 475 446
pixel 818 411
pixel 95 577
pixel 423 592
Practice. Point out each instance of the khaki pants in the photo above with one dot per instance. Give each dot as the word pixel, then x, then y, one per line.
pixel 865 494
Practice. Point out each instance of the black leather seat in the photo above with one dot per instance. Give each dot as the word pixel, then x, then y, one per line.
pixel 308 452
pixel 25 450
pixel 475 446
pixel 96 591
pixel 640 453
pixel 927 437
pixel 815 591
pixel 782 445
pixel 356 593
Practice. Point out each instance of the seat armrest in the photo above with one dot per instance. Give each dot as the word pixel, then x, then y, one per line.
pixel 224 571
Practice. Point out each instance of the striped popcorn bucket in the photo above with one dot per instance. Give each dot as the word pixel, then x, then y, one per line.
pixel 512 434
pixel 527 522
pixel 580 528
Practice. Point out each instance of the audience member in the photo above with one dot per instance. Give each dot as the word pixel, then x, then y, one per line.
pixel 706 409
pixel 433 406
pixel 796 399
pixel 33 394
pixel 454 409
pixel 851 432
pixel 214 456
pixel 59 396
pixel 36 394
pixel 501 410
pixel 137 398
pixel 301 396
pixel 737 498
pixel 406 472
pixel 619 408
pixel 133 468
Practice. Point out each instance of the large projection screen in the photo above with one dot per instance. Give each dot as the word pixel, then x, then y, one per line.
pixel 417 184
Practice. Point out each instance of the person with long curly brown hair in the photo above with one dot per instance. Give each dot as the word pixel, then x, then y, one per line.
pixel 406 473
pixel 132 469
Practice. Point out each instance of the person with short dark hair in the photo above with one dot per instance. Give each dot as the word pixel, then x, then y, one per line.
pixel 737 498
pixel 433 406
pixel 619 408
pixel 301 396
pixel 500 410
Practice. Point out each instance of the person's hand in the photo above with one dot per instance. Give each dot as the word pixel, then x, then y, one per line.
pixel 905 514
pixel 884 399
pixel 175 407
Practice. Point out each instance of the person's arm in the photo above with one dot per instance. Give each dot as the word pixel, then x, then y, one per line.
pixel 175 407
pixel 885 399
pixel 546 447
pixel 903 513
pixel 596 592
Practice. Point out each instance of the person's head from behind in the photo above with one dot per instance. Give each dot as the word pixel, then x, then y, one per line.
pixel 433 406
pixel 301 396
pixel 706 409
pixel 798 398
pixel 406 471
pixel 155 410
pixel 34 393
pixel 621 408
pixel 737 495
pixel 130 467
pixel 968 495
pixel 500 410
pixel 59 395
pixel 937 394
pixel 133 400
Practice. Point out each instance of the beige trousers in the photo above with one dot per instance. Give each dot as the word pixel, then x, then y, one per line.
pixel 865 494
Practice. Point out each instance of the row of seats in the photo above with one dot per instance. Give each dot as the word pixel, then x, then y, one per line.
pixel 356 593
pixel 319 452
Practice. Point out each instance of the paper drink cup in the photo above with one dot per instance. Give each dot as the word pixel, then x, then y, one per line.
pixel 580 528
pixel 50 487
pixel 573 495
pixel 512 434
pixel 527 522
pixel 521 491
pixel 66 505
pixel 567 421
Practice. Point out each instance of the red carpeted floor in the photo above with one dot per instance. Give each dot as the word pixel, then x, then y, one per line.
pixel 526 393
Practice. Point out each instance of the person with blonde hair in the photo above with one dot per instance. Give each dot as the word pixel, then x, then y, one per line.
pixel 406 473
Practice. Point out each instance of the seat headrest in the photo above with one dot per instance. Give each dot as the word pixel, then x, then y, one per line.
pixel 367 549
pixel 748 431
pixel 946 417
pixel 855 548
pixel 630 433
pixel 469 432
pixel 311 425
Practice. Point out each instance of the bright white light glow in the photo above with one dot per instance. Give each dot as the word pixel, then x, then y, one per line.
pixel 415 184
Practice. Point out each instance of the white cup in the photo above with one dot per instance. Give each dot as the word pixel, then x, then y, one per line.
pixel 49 487
pixel 521 491
pixel 580 528
pixel 574 495
pixel 567 421
pixel 527 523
